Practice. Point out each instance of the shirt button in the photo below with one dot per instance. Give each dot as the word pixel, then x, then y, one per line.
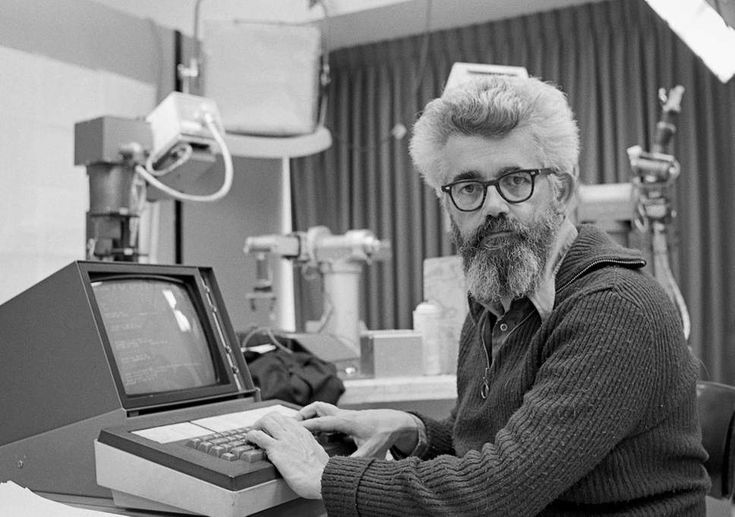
pixel 503 327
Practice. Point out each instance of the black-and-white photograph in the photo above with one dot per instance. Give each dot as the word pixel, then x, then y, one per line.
pixel 366 258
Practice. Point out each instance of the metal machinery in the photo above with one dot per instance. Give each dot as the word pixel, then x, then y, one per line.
pixel 646 201
pixel 654 174
pixel 168 150
pixel 339 259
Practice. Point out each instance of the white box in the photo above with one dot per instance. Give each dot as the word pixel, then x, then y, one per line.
pixel 264 77
pixel 391 353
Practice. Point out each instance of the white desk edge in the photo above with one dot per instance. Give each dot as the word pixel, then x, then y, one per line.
pixel 393 389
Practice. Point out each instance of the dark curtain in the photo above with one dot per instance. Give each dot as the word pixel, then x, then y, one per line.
pixel 610 58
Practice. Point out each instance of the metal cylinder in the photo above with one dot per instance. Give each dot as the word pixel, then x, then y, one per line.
pixel 114 212
pixel 341 303
pixel 111 189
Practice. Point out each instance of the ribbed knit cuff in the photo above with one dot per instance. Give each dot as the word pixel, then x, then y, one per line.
pixel 421 442
pixel 438 438
pixel 340 480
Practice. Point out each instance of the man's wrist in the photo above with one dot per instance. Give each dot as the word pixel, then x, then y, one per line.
pixel 413 438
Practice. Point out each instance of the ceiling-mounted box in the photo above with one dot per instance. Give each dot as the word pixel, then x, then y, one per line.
pixel 264 77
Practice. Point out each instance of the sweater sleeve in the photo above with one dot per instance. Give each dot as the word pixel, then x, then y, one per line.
pixel 589 393
pixel 438 436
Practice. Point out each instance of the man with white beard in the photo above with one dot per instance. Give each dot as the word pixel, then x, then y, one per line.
pixel 576 390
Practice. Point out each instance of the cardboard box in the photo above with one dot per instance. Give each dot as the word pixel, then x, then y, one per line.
pixel 391 353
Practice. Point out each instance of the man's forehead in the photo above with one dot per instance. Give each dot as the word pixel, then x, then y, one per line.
pixel 485 157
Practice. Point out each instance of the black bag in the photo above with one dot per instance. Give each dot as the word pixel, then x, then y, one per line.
pixel 289 372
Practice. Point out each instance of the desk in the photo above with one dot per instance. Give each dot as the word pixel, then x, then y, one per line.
pixel 432 395
pixel 300 507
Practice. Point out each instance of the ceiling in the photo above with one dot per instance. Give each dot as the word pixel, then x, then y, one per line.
pixel 351 22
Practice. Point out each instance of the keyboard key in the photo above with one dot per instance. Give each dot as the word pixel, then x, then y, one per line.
pixel 217 450
pixel 240 449
pixel 253 455
pixel 204 446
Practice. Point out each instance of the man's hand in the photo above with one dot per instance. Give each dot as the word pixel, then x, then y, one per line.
pixel 293 450
pixel 374 431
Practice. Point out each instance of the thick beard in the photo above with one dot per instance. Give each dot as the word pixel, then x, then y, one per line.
pixel 511 269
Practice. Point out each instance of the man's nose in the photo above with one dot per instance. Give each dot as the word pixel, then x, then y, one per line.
pixel 494 204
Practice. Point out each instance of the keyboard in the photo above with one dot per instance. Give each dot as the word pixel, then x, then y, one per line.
pixel 232 446
pixel 211 447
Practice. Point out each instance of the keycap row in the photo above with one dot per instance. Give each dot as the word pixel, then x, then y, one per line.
pixel 230 446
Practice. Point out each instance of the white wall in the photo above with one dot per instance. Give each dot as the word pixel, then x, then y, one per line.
pixel 43 196
pixel 62 62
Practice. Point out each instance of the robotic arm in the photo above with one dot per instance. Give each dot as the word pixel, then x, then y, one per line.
pixel 647 200
pixel 169 150
pixel 339 259
pixel 654 174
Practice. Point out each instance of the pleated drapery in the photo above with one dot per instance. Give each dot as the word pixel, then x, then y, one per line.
pixel 610 58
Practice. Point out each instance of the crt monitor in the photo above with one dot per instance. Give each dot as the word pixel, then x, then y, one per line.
pixel 155 334
pixel 102 344
pixel 163 337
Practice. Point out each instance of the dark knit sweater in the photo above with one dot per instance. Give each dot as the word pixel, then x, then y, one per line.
pixel 592 411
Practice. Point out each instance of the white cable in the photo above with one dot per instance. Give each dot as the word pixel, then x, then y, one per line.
pixel 178 162
pixel 662 273
pixel 182 196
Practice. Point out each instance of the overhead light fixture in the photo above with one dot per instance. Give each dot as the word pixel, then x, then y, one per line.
pixel 463 72
pixel 701 25
pixel 726 9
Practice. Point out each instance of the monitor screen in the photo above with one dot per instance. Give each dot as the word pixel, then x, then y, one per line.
pixel 155 334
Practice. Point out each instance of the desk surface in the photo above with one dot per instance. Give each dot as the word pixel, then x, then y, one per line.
pixel 399 389
pixel 301 507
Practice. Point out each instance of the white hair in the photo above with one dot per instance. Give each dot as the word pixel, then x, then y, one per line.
pixel 492 107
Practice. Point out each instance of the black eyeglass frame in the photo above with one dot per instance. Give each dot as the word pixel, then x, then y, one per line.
pixel 496 183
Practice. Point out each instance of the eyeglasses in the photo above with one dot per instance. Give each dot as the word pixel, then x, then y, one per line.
pixel 514 187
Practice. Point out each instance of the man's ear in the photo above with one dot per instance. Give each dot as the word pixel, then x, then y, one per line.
pixel 567 187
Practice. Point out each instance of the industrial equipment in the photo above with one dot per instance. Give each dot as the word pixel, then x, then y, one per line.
pixel 168 151
pixel 654 174
pixel 640 212
pixel 339 259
